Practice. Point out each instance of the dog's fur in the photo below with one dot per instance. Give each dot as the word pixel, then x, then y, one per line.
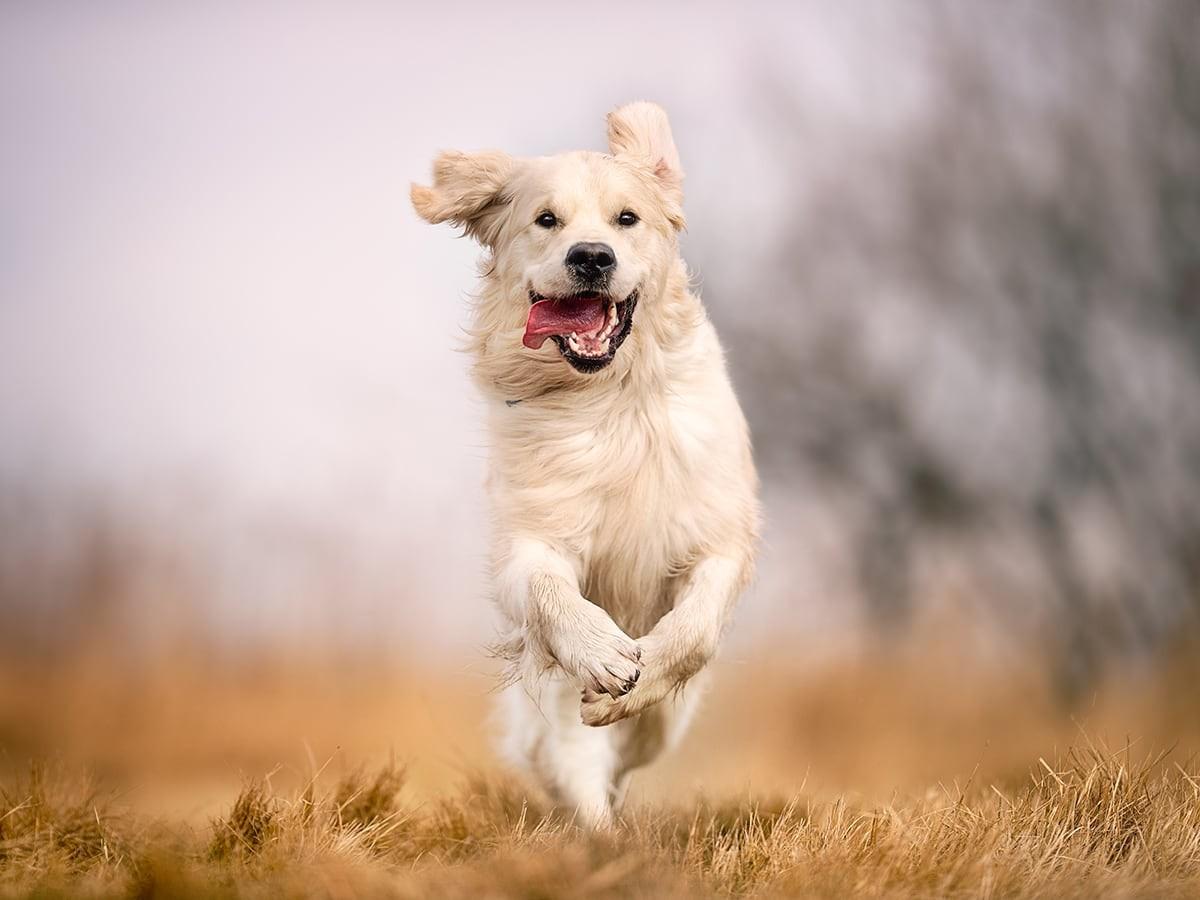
pixel 624 500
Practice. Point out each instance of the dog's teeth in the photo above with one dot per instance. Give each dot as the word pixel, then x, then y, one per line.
pixel 573 340
pixel 610 324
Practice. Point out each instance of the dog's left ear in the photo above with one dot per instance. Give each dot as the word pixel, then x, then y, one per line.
pixel 642 132
pixel 468 191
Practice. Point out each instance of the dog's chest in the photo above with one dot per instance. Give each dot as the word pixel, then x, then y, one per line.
pixel 624 486
pixel 647 522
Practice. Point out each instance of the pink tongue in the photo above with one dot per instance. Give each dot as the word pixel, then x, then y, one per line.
pixel 548 317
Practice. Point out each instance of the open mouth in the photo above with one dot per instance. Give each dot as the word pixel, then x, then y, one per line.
pixel 587 327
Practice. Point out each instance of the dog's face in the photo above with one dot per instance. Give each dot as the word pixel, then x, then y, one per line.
pixel 585 235
pixel 577 240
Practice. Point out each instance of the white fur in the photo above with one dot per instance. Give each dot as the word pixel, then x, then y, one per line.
pixel 624 502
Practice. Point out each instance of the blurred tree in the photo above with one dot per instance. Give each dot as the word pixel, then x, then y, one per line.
pixel 987 327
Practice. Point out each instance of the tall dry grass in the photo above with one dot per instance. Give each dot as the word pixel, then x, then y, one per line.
pixel 1092 823
pixel 888 774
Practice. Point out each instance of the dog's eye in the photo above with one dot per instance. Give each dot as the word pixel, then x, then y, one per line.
pixel 627 218
pixel 546 219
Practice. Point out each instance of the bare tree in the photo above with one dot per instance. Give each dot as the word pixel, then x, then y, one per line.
pixel 987 332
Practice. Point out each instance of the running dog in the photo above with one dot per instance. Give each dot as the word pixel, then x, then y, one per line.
pixel 625 512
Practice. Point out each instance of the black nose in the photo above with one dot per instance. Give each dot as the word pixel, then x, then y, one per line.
pixel 590 261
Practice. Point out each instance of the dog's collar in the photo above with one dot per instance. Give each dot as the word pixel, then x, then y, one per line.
pixel 550 390
pixel 511 403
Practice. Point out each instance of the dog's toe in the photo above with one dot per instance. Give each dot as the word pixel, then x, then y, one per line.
pixel 621 686
pixel 618 678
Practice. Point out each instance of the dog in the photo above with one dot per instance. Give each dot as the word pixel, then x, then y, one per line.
pixel 623 493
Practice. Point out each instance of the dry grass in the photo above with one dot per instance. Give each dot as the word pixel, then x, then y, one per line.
pixel 1093 823
pixel 883 776
pixel 51 827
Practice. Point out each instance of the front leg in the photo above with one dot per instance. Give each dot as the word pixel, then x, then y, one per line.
pixel 554 625
pixel 682 642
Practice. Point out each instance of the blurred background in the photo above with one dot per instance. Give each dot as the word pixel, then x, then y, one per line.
pixel 953 250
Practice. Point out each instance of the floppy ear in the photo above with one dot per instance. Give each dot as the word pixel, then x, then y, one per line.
pixel 641 132
pixel 468 191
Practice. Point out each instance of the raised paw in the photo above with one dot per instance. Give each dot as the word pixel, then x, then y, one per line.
pixel 597 709
pixel 655 684
pixel 590 647
pixel 613 670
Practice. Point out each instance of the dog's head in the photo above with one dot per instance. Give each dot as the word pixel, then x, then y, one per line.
pixel 577 241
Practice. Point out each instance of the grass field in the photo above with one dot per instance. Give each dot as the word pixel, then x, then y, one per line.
pixel 296 777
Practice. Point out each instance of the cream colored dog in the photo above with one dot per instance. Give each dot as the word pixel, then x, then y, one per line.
pixel 623 493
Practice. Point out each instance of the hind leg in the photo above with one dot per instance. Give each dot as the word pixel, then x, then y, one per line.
pixel 640 740
pixel 575 764
pixel 587 770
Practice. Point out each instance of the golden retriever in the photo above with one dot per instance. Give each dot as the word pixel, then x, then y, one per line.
pixel 624 499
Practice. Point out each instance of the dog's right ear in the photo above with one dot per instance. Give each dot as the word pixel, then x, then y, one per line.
pixel 469 190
